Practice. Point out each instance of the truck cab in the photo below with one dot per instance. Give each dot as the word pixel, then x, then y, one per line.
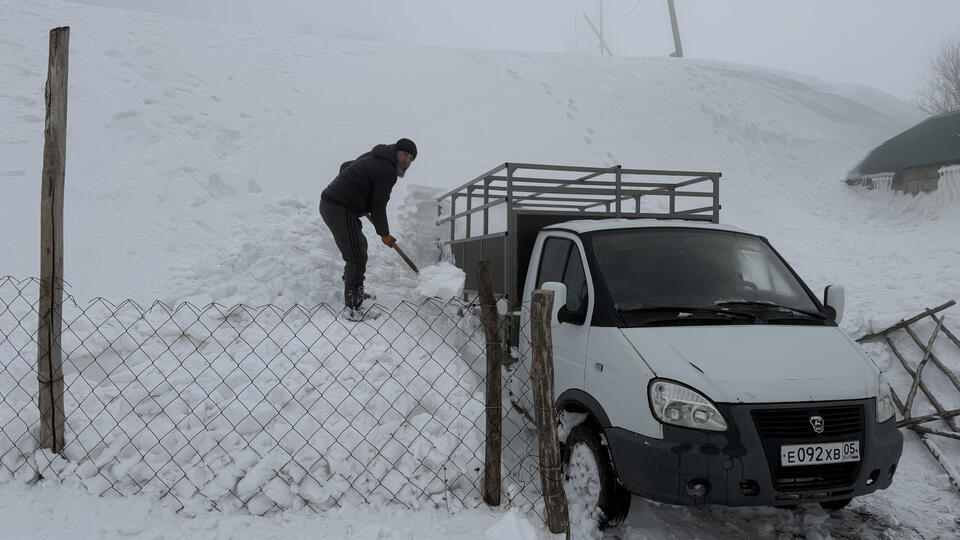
pixel 708 372
pixel 692 364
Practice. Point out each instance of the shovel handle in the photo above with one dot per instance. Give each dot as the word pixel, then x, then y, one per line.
pixel 399 251
pixel 405 258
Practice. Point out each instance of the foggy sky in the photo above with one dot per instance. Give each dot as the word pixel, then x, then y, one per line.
pixel 885 44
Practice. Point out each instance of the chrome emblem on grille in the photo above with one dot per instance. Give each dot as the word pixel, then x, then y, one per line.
pixel 817 423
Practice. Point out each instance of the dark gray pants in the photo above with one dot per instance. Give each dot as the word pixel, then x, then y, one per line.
pixel 347 232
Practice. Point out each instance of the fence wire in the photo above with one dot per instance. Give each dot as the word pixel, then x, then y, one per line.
pixel 264 408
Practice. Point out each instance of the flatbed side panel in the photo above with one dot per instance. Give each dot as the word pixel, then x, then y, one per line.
pixel 467 252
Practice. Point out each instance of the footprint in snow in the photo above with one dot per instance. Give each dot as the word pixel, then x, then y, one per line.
pixel 113 53
pixel 181 119
pixel 515 75
pixel 218 188
pixel 230 135
pixel 588 140
pixel 124 115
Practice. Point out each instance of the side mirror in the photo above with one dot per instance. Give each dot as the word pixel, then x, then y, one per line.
pixel 833 299
pixel 559 299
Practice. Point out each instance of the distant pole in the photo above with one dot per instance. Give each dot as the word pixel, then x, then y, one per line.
pixel 678 49
pixel 601 27
pixel 50 324
pixel 603 44
pixel 576 28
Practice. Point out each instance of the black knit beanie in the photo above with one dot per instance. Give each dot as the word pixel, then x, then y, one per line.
pixel 406 145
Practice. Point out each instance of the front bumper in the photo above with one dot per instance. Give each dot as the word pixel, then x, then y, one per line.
pixel 740 467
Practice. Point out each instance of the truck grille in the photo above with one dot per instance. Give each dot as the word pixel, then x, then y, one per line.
pixel 795 423
pixel 815 476
pixel 777 427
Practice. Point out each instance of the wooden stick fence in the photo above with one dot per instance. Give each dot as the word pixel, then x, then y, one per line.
pixel 918 386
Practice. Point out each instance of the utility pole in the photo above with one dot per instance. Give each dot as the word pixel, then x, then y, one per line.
pixel 678 49
pixel 603 44
pixel 601 28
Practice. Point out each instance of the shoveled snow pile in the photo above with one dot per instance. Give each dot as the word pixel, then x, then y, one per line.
pixel 283 254
pixel 442 280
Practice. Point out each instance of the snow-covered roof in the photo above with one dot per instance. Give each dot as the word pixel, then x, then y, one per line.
pixel 589 225
pixel 934 141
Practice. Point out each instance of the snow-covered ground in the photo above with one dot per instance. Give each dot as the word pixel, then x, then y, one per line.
pixel 197 153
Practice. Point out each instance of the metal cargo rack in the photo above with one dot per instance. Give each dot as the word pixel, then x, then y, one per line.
pixel 535 195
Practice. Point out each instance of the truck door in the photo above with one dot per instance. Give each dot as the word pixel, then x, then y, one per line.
pixel 562 260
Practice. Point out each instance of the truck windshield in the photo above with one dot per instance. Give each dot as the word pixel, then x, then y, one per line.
pixel 660 268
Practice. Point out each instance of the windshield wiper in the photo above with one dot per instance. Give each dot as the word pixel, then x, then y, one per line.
pixel 689 313
pixel 778 307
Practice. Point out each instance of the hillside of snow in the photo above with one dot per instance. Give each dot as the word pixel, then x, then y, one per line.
pixel 197 154
pixel 195 163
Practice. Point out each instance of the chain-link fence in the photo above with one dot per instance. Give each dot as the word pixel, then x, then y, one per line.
pixel 264 408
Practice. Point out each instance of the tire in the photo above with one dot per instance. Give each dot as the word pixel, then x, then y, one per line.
pixel 833 506
pixel 591 480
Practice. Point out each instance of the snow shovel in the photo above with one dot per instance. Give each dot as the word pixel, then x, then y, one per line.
pixel 400 252
pixel 405 258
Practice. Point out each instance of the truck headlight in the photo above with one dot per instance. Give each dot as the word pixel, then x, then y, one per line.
pixel 679 405
pixel 885 408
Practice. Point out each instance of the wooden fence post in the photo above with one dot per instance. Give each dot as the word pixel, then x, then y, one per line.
pixel 541 376
pixel 49 359
pixel 491 329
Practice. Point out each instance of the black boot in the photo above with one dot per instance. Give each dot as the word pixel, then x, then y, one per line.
pixel 352 298
pixel 364 296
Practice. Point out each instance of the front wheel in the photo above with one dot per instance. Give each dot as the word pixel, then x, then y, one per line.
pixel 589 479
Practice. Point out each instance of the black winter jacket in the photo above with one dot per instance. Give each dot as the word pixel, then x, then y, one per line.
pixel 364 185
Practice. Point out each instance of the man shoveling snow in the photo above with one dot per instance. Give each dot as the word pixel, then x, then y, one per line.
pixel 363 187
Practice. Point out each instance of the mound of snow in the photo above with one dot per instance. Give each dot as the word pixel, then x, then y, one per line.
pixel 442 280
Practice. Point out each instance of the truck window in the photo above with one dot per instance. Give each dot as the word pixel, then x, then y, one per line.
pixel 576 281
pixel 555 252
pixel 693 268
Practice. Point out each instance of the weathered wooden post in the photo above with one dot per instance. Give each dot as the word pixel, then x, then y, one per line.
pixel 49 360
pixel 541 376
pixel 491 329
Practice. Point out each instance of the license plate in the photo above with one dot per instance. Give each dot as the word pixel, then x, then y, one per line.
pixel 792 455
